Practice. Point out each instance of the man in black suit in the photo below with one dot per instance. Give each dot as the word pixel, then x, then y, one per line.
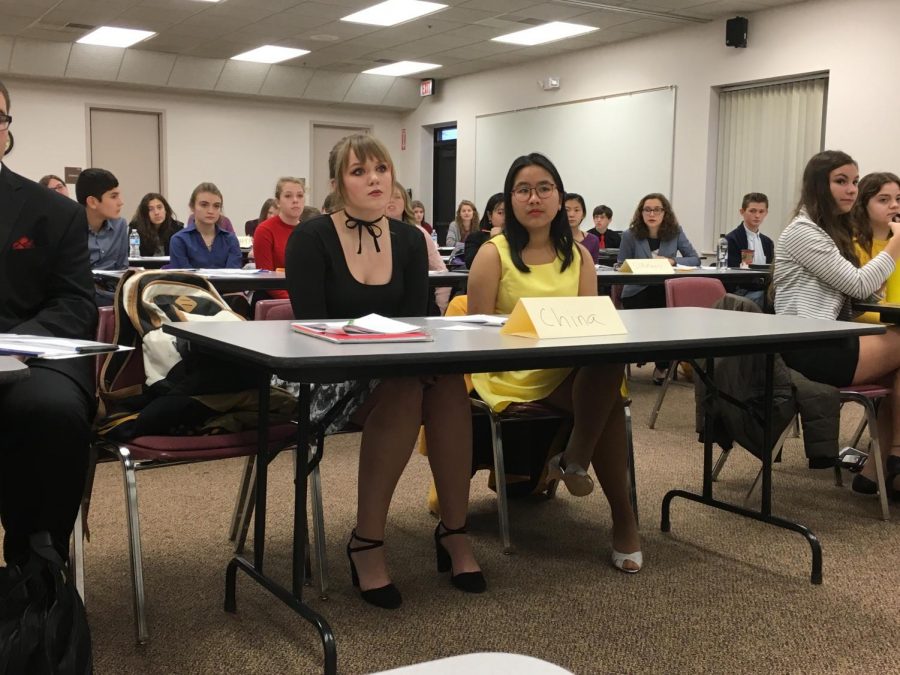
pixel 602 218
pixel 747 237
pixel 45 289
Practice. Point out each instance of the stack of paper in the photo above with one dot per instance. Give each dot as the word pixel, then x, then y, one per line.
pixel 50 347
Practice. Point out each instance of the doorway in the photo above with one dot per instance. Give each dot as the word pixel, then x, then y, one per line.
pixel 127 143
pixel 444 181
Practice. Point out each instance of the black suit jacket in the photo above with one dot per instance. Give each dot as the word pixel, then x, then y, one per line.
pixel 613 239
pixel 46 287
pixel 737 240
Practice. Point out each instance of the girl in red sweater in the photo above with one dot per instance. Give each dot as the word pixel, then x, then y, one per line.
pixel 271 235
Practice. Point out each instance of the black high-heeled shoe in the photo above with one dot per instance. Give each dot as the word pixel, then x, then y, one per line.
pixel 386 597
pixel 470 582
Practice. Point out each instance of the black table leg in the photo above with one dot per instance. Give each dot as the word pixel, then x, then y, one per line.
pixel 765 513
pixel 254 569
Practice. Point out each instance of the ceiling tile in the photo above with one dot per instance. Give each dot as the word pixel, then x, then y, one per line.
pixel 403 94
pixel 39 58
pixel 368 89
pixel 11 25
pixel 146 67
pixel 242 77
pixel 325 86
pixel 6 48
pixel 286 81
pixel 722 8
pixel 190 72
pixel 32 8
pixel 90 62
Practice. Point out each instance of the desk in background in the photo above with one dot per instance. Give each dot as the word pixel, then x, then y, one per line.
pixel 234 282
pixel 888 312
pixel 271 347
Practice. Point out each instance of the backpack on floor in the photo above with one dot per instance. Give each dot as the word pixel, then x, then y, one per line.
pixel 43 625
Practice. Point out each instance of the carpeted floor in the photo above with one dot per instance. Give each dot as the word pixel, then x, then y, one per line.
pixel 718 594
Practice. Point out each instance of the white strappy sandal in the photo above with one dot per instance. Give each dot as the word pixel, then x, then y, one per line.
pixel 618 561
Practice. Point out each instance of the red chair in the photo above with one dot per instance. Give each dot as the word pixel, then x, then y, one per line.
pixel 150 452
pixel 685 292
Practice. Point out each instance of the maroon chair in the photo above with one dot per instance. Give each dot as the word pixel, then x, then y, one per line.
pixel 685 292
pixel 150 452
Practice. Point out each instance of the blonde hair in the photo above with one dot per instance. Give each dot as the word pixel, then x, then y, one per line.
pixel 205 187
pixel 284 180
pixel 364 147
pixel 408 216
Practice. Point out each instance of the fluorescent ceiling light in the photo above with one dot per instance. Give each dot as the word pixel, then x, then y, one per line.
pixel 107 36
pixel 548 32
pixel 402 68
pixel 392 12
pixel 270 54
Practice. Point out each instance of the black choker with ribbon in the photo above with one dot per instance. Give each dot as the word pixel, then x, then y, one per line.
pixel 371 226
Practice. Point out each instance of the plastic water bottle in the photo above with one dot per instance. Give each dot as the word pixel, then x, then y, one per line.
pixel 722 253
pixel 134 244
pixel 434 236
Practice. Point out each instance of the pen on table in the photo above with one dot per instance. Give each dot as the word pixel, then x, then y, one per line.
pixel 95 349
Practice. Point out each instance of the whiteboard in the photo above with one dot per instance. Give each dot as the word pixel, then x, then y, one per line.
pixel 611 150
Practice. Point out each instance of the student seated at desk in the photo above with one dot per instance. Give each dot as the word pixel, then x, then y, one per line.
pixel 602 218
pixel 418 211
pixel 350 263
pixel 465 223
pixel 400 208
pixel 817 274
pixel 203 244
pixel 271 236
pixel 98 191
pixel 45 419
pixel 269 209
pixel 491 224
pixel 536 257
pixel 654 233
pixel 877 205
pixel 155 223
pixel 575 211
pixel 747 237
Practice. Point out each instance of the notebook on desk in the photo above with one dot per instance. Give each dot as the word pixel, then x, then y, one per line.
pixel 366 330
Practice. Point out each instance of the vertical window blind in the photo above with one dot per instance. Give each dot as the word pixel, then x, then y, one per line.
pixel 767 133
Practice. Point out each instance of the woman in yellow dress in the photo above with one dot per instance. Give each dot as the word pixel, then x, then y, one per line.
pixel 877 205
pixel 536 256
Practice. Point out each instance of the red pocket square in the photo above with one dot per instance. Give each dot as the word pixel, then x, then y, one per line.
pixel 22 243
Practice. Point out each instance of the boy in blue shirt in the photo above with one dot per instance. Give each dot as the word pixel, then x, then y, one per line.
pixel 98 191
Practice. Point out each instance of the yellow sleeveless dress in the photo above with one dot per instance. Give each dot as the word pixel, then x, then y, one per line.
pixel 518 386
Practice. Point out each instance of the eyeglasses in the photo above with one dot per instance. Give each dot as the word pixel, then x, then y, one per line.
pixel 5 121
pixel 543 191
pixel 650 210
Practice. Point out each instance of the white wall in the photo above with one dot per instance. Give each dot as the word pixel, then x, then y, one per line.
pixel 241 145
pixel 856 42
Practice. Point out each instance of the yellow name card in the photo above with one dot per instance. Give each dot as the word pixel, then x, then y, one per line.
pixel 584 316
pixel 647 266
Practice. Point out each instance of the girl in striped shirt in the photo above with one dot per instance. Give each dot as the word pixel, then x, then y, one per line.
pixel 817 274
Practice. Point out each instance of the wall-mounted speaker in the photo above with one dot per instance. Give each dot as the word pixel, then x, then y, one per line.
pixel 736 32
